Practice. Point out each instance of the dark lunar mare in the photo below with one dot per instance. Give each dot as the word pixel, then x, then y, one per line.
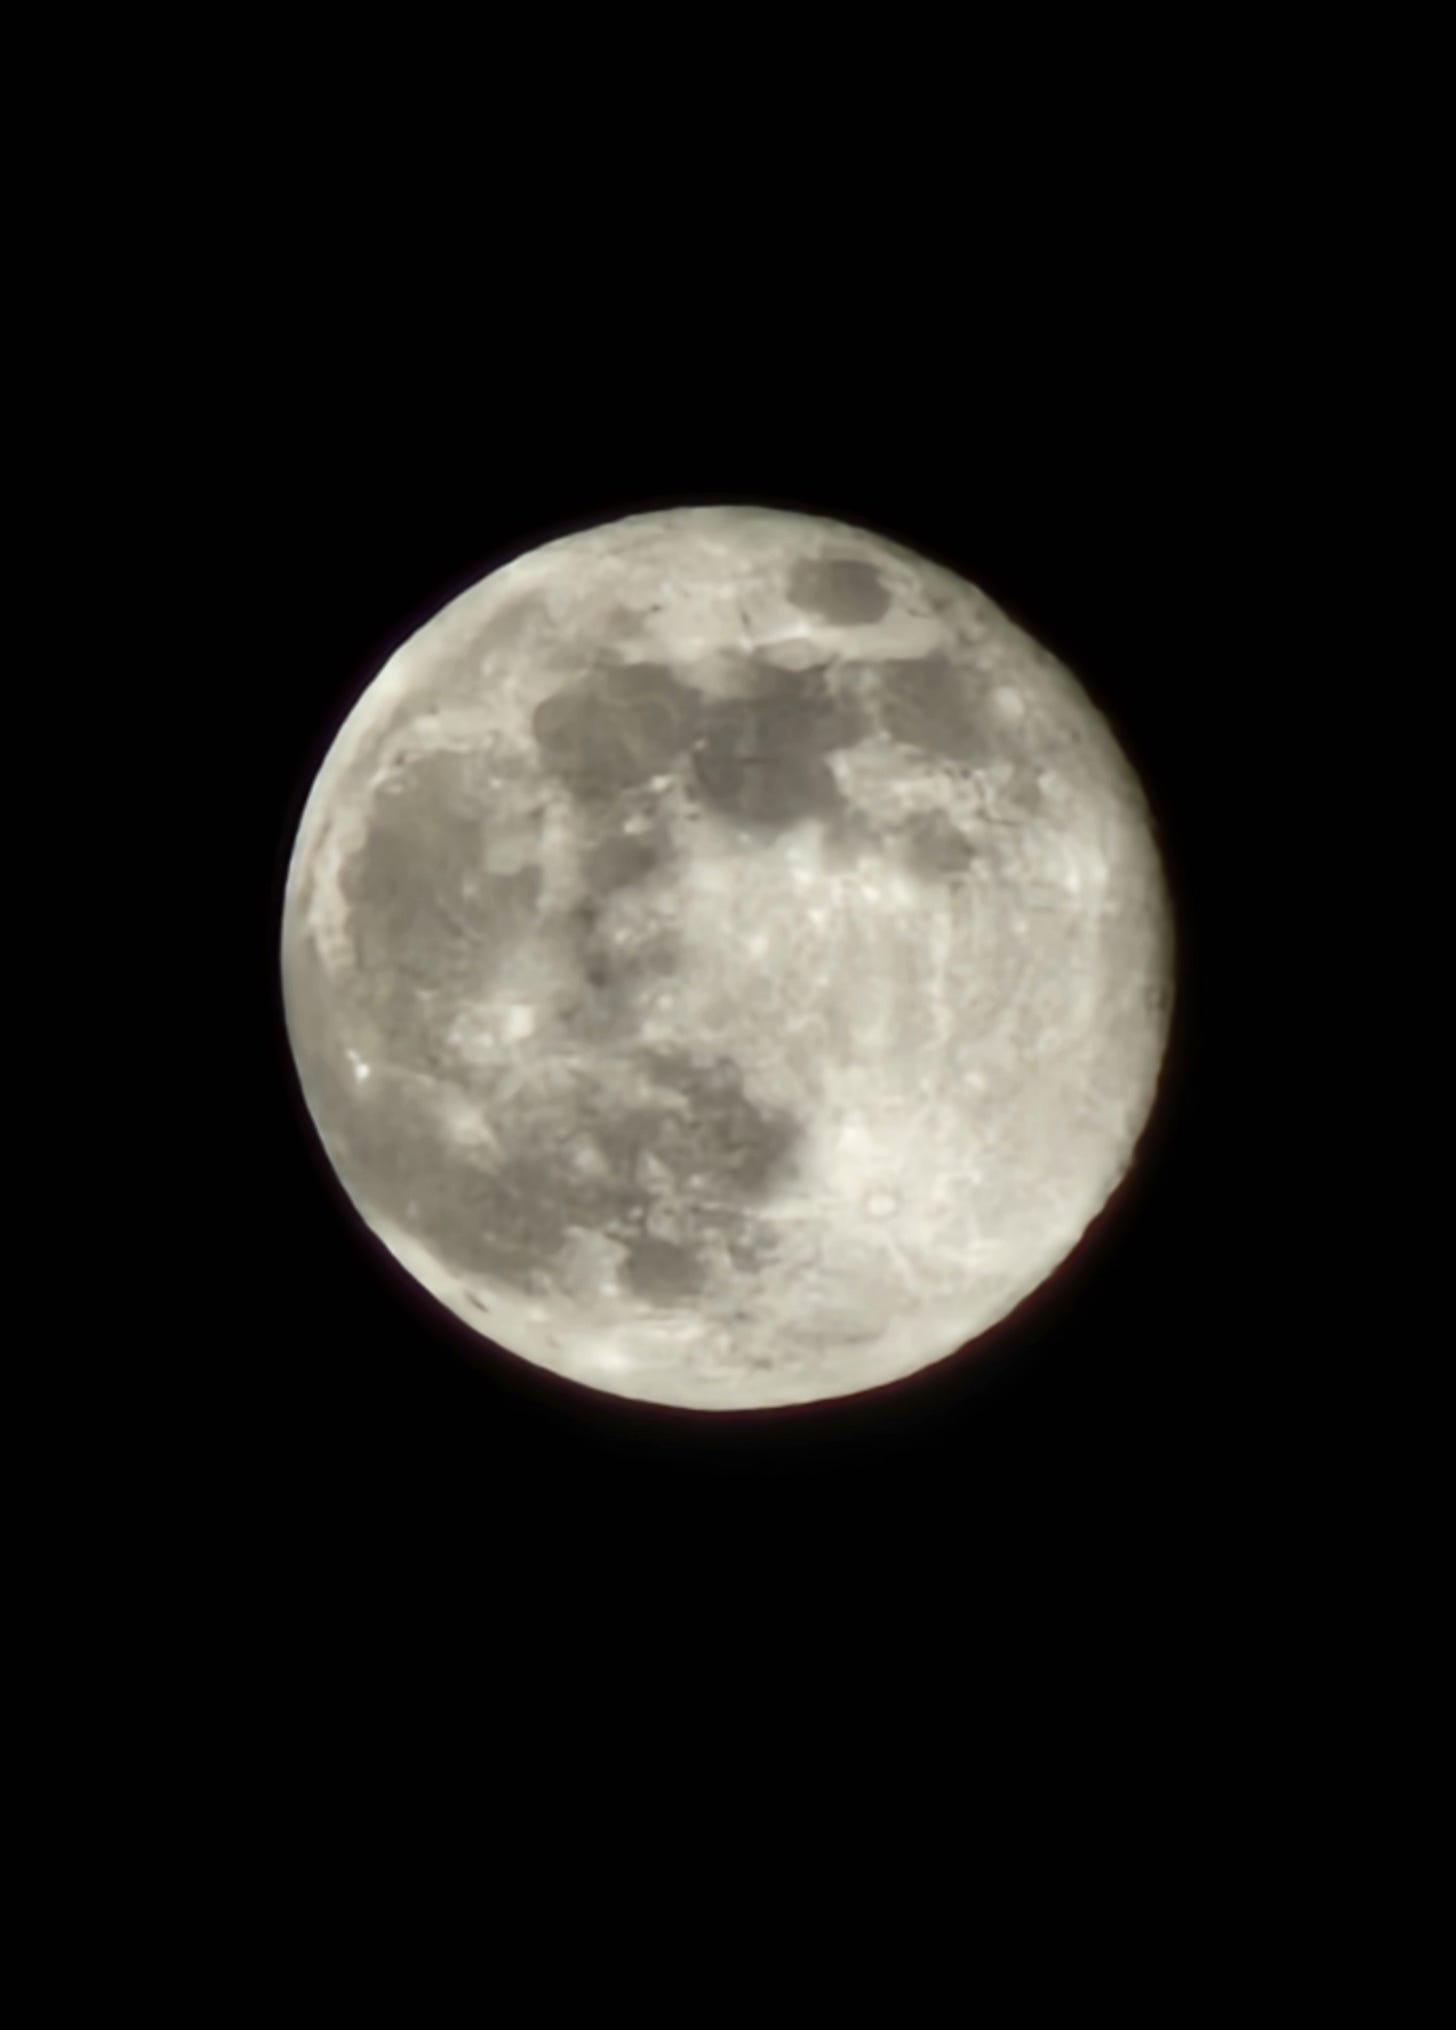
pixel 934 704
pixel 760 759
pixel 430 928
pixel 614 728
pixel 507 1216
pixel 841 590
pixel 620 860
pixel 757 759
pixel 936 847
pixel 429 922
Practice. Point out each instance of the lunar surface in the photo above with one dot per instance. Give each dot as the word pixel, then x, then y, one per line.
pixel 727 962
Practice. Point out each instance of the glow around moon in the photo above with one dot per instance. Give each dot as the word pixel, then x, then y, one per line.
pixel 727 962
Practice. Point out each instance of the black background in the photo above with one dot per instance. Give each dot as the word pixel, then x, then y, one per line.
pixel 1088 491
pixel 1077 350
pixel 1082 360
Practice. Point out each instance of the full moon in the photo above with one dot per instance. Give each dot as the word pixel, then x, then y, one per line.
pixel 727 961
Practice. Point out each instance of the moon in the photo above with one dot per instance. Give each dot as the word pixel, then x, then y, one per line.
pixel 727 961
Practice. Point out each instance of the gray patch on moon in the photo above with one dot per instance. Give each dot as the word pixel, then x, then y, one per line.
pixel 842 591
pixel 613 972
pixel 933 704
pixel 759 788
pixel 614 729
pixel 761 759
pixel 935 846
pixel 802 710
pixel 426 917
pixel 736 1146
pixel 620 861
pixel 697 1149
pixel 504 1219
pixel 664 1271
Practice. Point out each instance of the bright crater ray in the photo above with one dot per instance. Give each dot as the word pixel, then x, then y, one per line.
pixel 727 962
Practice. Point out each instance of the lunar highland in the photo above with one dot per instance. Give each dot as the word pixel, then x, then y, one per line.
pixel 727 962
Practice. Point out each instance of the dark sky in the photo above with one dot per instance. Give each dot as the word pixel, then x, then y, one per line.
pixel 353 366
